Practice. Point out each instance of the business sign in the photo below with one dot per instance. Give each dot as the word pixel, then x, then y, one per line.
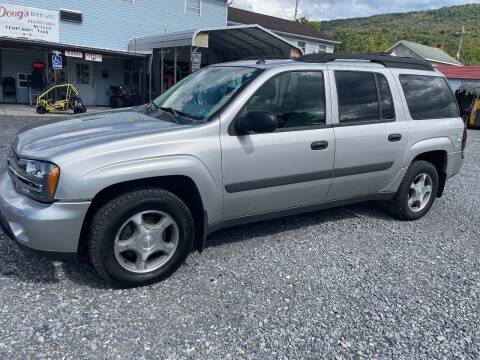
pixel 196 61
pixel 93 57
pixel 29 23
pixel 57 63
pixel 74 54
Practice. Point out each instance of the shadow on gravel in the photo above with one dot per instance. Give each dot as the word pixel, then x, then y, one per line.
pixel 271 227
pixel 16 263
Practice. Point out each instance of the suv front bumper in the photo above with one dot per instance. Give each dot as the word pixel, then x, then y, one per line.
pixel 49 229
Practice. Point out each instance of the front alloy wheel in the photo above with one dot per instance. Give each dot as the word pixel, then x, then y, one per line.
pixel 146 241
pixel 140 237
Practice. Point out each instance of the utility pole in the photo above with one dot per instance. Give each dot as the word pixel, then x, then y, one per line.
pixel 297 2
pixel 462 35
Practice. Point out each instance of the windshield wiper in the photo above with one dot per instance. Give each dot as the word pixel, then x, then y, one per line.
pixel 169 110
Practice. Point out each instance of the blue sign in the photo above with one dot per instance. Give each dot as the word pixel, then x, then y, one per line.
pixel 57 62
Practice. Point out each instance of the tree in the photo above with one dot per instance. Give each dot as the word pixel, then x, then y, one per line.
pixel 313 24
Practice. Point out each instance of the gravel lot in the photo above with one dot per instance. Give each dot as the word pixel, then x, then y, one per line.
pixel 348 283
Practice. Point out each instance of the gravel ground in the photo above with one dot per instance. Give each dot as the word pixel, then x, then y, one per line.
pixel 347 283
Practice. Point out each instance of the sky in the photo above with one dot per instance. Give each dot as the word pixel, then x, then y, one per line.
pixel 338 9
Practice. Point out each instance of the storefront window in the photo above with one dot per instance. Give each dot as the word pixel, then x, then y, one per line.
pixel 82 74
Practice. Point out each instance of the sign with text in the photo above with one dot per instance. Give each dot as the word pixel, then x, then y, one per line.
pixel 74 54
pixel 93 57
pixel 196 61
pixel 29 23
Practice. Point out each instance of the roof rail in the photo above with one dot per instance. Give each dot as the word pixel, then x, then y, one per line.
pixel 384 59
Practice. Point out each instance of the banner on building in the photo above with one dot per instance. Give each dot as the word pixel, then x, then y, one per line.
pixel 74 54
pixel 93 57
pixel 29 23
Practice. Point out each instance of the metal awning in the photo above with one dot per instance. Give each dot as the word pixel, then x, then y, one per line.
pixel 233 43
pixel 8 42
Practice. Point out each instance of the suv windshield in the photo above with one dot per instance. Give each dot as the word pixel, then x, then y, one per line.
pixel 203 93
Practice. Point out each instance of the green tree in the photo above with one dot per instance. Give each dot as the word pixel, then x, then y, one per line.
pixel 310 23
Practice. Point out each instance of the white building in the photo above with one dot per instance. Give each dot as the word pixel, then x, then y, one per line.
pixel 301 35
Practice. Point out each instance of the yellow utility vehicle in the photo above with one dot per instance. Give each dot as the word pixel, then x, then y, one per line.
pixel 68 98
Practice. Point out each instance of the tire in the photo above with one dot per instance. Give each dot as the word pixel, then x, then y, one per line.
pixel 106 236
pixel 116 102
pixel 41 110
pixel 399 205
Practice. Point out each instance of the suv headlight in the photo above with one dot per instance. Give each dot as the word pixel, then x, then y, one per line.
pixel 34 178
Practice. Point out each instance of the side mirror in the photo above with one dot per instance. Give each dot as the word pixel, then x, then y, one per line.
pixel 256 121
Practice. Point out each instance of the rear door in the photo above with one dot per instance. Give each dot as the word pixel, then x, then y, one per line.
pixel 290 167
pixel 370 131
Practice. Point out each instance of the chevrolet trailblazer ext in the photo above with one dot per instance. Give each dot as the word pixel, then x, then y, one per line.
pixel 137 189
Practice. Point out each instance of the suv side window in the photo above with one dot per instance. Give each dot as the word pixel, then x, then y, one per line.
pixel 297 99
pixel 363 97
pixel 428 97
pixel 386 100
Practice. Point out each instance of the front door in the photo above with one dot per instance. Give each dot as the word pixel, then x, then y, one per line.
pixel 290 167
pixel 81 75
pixel 371 133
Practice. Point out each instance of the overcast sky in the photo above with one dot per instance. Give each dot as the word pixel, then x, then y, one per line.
pixel 337 9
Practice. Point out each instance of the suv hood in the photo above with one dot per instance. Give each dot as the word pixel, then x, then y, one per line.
pixel 88 130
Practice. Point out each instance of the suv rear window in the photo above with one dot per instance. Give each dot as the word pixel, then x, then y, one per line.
pixel 363 97
pixel 428 97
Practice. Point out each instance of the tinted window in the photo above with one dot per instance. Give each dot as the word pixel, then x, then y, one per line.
pixel 386 101
pixel 296 98
pixel 428 97
pixel 357 96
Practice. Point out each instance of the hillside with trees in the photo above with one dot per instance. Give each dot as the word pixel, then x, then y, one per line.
pixel 435 28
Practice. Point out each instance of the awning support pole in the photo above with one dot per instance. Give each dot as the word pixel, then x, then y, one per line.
pixel 161 71
pixel 150 66
pixel 175 65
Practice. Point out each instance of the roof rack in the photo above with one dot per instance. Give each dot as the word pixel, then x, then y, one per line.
pixel 383 59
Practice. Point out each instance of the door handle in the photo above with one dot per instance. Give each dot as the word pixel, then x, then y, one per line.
pixel 394 137
pixel 319 145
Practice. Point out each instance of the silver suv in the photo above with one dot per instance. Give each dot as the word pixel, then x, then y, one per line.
pixel 136 190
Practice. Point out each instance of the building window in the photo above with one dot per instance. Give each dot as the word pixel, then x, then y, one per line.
pixel 322 48
pixel 193 7
pixel 71 16
pixel 23 80
pixel 303 46
pixel 82 74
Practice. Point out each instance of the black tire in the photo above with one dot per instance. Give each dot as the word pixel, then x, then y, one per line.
pixel 108 220
pixel 116 102
pixel 41 110
pixel 398 206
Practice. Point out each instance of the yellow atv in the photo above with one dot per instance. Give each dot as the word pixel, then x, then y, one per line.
pixel 69 99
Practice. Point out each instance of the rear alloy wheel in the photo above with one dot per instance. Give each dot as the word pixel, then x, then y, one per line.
pixel 416 193
pixel 420 192
pixel 140 237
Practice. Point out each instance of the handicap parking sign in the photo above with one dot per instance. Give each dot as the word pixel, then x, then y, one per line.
pixel 57 62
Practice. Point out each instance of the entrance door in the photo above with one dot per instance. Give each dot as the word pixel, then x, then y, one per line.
pixel 81 75
pixel 291 167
